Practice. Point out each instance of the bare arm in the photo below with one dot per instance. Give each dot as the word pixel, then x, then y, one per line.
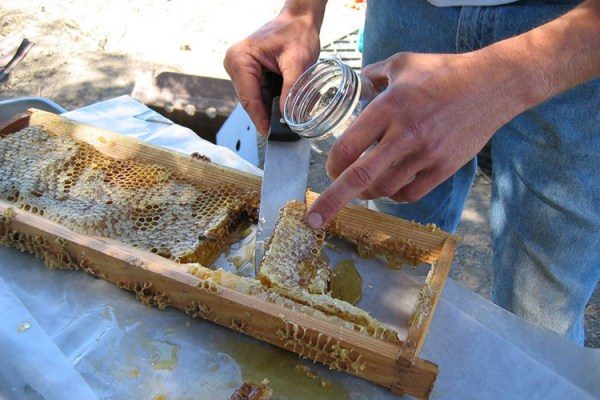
pixel 439 110
pixel 556 56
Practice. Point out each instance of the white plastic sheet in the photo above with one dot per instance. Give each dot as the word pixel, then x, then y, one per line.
pixel 90 339
pixel 132 118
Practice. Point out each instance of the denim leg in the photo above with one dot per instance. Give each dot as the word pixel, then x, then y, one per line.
pixel 545 209
pixel 394 26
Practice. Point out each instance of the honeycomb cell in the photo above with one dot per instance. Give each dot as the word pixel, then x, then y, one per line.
pixel 292 257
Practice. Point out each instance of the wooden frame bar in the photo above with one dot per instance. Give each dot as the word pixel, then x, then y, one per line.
pixel 161 282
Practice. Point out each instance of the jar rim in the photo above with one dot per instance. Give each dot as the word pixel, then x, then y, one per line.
pixel 299 117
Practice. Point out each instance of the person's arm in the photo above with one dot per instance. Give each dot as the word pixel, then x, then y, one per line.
pixel 287 45
pixel 438 111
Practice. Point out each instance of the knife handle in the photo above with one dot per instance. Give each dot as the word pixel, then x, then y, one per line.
pixel 271 84
pixel 271 91
pixel 278 129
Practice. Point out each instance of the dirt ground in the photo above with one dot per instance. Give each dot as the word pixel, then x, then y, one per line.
pixel 90 51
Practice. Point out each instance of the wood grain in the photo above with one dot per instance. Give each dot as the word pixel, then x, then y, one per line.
pixel 14 124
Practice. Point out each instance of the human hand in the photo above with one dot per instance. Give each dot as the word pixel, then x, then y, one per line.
pixel 434 115
pixel 287 45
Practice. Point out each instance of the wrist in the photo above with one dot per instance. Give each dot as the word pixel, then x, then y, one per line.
pixel 526 74
pixel 310 11
pixel 492 84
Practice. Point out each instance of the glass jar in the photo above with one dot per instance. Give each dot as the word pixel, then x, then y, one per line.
pixel 325 100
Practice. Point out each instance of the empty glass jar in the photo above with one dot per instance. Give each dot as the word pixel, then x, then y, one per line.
pixel 325 100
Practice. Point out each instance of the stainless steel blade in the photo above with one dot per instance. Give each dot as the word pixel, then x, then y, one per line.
pixel 284 179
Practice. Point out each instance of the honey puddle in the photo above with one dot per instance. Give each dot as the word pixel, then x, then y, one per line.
pixel 346 282
pixel 239 256
pixel 287 379
pixel 161 355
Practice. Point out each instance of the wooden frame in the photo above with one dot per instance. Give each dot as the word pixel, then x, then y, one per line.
pixel 162 282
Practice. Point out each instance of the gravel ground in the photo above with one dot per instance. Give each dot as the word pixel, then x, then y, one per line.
pixel 78 60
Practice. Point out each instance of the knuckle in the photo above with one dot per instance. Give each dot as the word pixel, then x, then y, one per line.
pixel 445 164
pixel 243 101
pixel 391 103
pixel 341 154
pixel 330 202
pixel 429 149
pixel 417 132
pixel 340 150
pixel 233 59
pixel 399 58
pixel 370 69
pixel 230 55
pixel 416 126
pixel 386 189
pixel 360 176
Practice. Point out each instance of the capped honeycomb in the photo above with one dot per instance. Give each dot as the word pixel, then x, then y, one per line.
pixel 292 254
pixel 141 204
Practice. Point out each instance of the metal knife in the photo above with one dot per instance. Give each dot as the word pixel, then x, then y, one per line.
pixel 285 172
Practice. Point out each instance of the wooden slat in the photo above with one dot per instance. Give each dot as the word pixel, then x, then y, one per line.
pixel 129 267
pixel 14 124
pixel 118 146
pixel 430 294
pixel 382 227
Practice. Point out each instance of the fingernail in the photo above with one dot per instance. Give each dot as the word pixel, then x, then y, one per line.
pixel 314 220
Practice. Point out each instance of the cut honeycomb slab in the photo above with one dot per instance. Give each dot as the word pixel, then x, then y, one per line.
pixel 141 204
pixel 292 255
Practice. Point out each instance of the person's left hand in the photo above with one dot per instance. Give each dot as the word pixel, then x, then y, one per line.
pixel 434 115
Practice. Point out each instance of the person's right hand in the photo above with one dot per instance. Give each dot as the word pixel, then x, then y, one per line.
pixel 287 45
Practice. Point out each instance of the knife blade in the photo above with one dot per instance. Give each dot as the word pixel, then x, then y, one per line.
pixel 285 176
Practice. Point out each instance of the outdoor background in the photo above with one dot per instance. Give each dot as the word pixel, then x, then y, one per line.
pixel 88 51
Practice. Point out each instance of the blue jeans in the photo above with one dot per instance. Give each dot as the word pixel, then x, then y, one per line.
pixel 545 209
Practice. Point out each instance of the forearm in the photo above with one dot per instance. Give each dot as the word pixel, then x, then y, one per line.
pixel 312 10
pixel 551 58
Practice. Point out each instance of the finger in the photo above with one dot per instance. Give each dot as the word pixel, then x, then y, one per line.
pixel 378 74
pixel 352 182
pixel 291 69
pixel 364 131
pixel 395 178
pixel 425 181
pixel 245 74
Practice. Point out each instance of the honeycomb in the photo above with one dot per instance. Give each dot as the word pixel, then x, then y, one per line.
pixel 141 204
pixel 149 207
pixel 292 257
pixel 252 391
